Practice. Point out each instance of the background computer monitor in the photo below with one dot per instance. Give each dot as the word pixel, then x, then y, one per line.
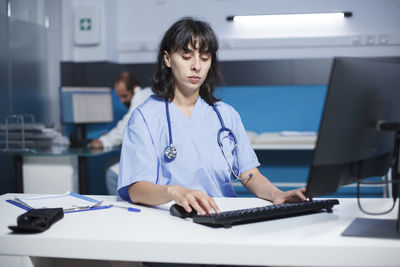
pixel 361 93
pixel 85 105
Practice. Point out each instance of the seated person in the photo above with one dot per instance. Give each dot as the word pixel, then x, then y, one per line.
pixel 126 86
pixel 180 144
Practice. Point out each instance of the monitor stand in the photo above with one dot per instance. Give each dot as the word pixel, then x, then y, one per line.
pixel 78 137
pixel 381 228
pixel 378 228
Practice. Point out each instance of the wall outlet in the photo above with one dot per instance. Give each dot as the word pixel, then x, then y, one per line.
pixel 370 40
pixel 383 39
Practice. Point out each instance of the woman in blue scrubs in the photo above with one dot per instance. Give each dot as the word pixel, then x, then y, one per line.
pixel 173 148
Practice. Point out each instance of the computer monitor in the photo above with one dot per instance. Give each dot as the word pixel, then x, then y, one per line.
pixel 363 97
pixel 83 105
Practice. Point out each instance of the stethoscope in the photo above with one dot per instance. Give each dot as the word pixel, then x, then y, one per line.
pixel 170 151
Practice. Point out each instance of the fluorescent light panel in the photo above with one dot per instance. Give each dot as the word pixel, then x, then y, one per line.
pixel 312 17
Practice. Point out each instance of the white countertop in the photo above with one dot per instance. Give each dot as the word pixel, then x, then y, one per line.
pixel 154 235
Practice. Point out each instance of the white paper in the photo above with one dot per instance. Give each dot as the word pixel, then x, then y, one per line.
pixel 67 201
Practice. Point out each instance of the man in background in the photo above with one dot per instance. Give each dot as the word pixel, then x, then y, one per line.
pixel 130 94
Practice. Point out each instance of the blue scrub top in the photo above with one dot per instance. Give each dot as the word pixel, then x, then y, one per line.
pixel 199 164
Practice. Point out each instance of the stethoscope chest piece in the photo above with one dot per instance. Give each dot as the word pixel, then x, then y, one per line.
pixel 170 152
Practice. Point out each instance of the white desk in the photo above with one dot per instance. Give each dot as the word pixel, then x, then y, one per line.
pixel 277 141
pixel 154 235
pixel 283 146
pixel 35 170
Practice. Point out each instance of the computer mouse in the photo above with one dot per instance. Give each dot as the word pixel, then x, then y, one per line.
pixel 179 211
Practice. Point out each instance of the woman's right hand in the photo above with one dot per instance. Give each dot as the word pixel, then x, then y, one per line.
pixel 196 199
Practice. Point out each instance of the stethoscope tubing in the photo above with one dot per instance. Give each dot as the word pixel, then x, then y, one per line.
pixel 170 151
pixel 169 123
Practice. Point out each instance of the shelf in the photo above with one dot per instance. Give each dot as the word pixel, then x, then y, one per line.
pixel 283 140
pixel 283 146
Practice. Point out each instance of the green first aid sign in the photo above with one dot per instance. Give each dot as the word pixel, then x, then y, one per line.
pixel 85 24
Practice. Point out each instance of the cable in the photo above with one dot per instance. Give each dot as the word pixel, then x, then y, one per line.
pixel 372 213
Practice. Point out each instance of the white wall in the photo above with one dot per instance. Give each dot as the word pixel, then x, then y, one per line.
pixel 106 50
pixel 131 29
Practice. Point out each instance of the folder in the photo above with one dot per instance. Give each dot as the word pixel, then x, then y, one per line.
pixel 69 202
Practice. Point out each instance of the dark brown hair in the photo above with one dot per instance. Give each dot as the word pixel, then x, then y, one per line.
pixel 178 37
pixel 129 79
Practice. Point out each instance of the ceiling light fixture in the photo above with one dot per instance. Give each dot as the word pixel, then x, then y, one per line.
pixel 289 17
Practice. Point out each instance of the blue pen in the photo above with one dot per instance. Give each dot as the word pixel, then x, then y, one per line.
pixel 127 208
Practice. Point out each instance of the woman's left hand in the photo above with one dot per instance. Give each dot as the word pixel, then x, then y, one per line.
pixel 297 195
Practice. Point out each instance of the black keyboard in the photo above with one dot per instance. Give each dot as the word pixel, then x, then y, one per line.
pixel 229 218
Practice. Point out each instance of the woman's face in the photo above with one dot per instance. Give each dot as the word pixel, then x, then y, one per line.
pixel 189 68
